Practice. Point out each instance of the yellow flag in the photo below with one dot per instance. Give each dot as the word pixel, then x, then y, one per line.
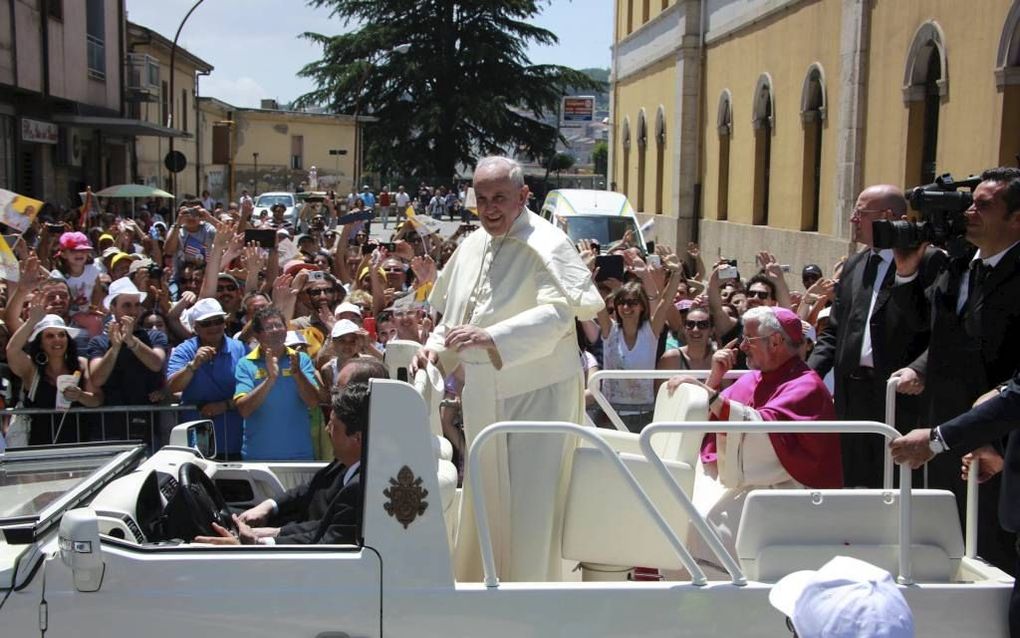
pixel 18 211
pixel 8 262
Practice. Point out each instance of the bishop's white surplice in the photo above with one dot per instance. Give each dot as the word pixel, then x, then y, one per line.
pixel 525 288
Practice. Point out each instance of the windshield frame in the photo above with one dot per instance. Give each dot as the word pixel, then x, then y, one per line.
pixel 24 529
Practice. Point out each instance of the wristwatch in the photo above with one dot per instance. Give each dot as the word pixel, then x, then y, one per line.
pixel 935 441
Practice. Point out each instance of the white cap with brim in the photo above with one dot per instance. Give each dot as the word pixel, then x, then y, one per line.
pixel 344 327
pixel 845 598
pixel 205 308
pixel 123 286
pixel 50 322
pixel 346 307
pixel 295 338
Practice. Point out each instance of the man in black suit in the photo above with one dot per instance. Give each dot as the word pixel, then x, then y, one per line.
pixel 328 509
pixel 875 328
pixel 989 422
pixel 975 337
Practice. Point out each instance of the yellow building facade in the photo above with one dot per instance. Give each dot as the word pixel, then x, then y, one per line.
pixel 273 149
pixel 799 105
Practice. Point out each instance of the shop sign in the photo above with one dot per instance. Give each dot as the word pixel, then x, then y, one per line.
pixel 39 132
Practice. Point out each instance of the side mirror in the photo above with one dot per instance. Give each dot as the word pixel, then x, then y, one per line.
pixel 80 548
pixel 200 435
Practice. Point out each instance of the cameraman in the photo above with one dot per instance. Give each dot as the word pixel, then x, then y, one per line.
pixel 975 337
pixel 875 328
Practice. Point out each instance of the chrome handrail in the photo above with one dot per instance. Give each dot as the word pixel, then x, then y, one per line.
pixel 803 427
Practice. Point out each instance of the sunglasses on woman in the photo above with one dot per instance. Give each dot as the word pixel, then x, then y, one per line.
pixel 629 303
pixel 704 324
pixel 760 294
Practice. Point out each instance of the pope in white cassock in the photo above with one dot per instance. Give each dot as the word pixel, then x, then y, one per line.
pixel 508 299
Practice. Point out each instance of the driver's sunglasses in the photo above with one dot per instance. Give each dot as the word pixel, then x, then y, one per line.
pixel 760 294
pixel 210 323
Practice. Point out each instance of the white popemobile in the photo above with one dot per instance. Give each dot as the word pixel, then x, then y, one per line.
pixel 91 541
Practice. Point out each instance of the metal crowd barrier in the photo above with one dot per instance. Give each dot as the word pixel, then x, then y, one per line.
pixel 137 422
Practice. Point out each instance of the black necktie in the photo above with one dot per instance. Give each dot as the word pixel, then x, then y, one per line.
pixel 978 273
pixel 871 271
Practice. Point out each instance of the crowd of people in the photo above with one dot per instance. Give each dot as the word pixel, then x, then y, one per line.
pixel 250 318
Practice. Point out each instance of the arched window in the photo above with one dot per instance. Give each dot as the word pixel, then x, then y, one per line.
pixel 925 84
pixel 660 156
pixel 1007 78
pixel 626 157
pixel 764 124
pixel 642 147
pixel 812 116
pixel 724 124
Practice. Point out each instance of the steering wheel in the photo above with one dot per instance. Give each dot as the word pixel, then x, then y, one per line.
pixel 203 502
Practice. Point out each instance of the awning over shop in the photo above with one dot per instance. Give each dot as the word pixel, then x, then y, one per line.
pixel 119 126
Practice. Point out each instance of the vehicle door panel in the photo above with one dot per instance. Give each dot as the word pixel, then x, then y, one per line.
pixel 221 592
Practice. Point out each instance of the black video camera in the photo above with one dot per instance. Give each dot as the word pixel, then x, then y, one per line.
pixel 941 206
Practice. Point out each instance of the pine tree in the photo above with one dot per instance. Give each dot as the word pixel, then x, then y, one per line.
pixel 465 87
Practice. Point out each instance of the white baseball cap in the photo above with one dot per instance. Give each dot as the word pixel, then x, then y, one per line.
pixel 53 321
pixel 205 308
pixel 122 286
pixel 845 598
pixel 347 307
pixel 344 327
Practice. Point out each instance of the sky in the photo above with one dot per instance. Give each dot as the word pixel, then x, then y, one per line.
pixel 254 48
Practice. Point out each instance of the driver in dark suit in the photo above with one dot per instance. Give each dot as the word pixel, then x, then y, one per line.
pixel 328 509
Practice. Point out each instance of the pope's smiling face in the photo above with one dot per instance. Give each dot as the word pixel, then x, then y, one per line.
pixel 499 200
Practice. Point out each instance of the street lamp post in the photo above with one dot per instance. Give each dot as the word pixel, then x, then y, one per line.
pixel 170 98
pixel 400 48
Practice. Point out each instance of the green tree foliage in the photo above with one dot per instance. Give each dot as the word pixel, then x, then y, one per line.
pixel 464 87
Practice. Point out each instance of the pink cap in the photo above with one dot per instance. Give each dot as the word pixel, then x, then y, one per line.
pixel 74 241
pixel 790 323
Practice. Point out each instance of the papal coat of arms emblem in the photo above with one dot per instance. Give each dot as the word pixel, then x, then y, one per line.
pixel 407 497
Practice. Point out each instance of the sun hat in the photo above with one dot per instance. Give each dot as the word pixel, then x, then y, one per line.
pixel 105 237
pixel 140 264
pixel 109 251
pixel 344 327
pixel 74 241
pixel 295 338
pixel 53 321
pixel 346 307
pixel 845 598
pixel 205 308
pixel 122 286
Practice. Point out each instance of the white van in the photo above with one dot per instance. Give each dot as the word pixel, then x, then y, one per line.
pixel 592 214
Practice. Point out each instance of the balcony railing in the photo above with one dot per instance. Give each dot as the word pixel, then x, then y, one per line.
pixel 96 57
